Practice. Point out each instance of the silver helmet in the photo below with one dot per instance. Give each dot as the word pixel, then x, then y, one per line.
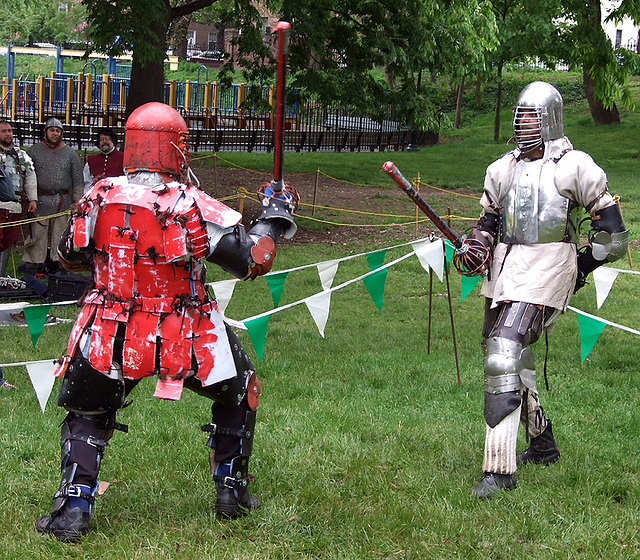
pixel 53 122
pixel 539 103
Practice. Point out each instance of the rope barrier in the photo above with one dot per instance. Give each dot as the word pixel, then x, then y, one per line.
pixel 243 193
pixel 419 182
pixel 25 221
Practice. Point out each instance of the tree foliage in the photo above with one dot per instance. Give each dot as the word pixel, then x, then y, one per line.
pixel 568 31
pixel 139 26
pixel 372 53
pixel 23 21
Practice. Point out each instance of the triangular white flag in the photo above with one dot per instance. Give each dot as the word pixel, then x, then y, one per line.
pixel 430 254
pixel 327 271
pixel 42 379
pixel 223 291
pixel 603 278
pixel 318 306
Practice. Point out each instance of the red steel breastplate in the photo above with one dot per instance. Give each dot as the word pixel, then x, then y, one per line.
pixel 149 243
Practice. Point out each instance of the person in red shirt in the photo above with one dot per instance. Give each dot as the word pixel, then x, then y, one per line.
pixel 108 163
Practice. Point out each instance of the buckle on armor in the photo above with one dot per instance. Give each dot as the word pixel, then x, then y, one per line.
pixel 230 482
pixel 73 492
pixel 96 442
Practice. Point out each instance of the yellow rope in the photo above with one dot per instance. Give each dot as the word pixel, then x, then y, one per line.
pixel 356 211
pixel 413 222
pixel 25 221
pixel 349 182
pixel 243 193
pixel 419 182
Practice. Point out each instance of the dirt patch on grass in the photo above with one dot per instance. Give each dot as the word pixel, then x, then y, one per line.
pixel 336 212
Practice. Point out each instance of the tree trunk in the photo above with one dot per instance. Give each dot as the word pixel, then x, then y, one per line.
pixel 496 123
pixel 456 120
pixel 478 90
pixel 147 78
pixel 601 115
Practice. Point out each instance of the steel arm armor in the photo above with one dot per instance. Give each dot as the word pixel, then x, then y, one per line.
pixel 247 255
pixel 608 242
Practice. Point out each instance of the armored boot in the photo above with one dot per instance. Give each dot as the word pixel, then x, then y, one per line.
pixel 542 449
pixel 232 476
pixel 499 465
pixel 69 519
pixel 81 456
pixel 492 483
pixel 232 485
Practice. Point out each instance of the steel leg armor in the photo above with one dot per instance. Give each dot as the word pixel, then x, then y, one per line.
pixel 509 369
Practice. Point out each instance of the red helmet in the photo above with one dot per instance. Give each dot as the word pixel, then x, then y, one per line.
pixel 156 139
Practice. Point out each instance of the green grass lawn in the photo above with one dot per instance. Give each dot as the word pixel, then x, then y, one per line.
pixel 366 446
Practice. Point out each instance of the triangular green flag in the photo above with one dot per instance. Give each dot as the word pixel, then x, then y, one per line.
pixel 276 283
pixel 448 251
pixel 257 330
pixel 590 329
pixel 376 259
pixel 467 283
pixel 36 316
pixel 375 286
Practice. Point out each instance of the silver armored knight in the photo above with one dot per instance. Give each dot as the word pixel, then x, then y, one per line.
pixel 532 201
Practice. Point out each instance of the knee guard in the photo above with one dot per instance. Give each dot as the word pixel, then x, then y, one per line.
pixel 506 364
pixel 88 391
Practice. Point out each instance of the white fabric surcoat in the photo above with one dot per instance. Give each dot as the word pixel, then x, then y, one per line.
pixel 542 273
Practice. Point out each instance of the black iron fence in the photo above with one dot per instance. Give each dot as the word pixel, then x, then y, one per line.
pixel 219 119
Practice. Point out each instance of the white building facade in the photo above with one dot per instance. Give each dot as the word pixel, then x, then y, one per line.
pixel 622 34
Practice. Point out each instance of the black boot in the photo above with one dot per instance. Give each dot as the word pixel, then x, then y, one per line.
pixel 492 483
pixel 234 499
pixel 542 449
pixel 68 522
pixel 68 525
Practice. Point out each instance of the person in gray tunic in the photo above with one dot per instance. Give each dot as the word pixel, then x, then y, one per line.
pixel 533 199
pixel 60 184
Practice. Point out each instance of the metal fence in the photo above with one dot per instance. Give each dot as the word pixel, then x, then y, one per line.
pixel 219 118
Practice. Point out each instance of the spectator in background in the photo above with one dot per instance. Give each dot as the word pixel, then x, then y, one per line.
pixel 108 163
pixel 59 172
pixel 18 167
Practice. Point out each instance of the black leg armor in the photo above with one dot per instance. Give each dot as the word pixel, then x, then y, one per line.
pixel 85 389
pixel 83 440
pixel 229 392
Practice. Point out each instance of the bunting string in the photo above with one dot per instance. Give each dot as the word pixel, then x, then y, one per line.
pixel 430 251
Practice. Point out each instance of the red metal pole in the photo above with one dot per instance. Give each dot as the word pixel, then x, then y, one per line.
pixel 282 29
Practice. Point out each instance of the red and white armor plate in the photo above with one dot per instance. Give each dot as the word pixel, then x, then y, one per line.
pixel 149 243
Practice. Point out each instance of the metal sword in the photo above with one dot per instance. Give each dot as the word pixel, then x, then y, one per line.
pixel 421 203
